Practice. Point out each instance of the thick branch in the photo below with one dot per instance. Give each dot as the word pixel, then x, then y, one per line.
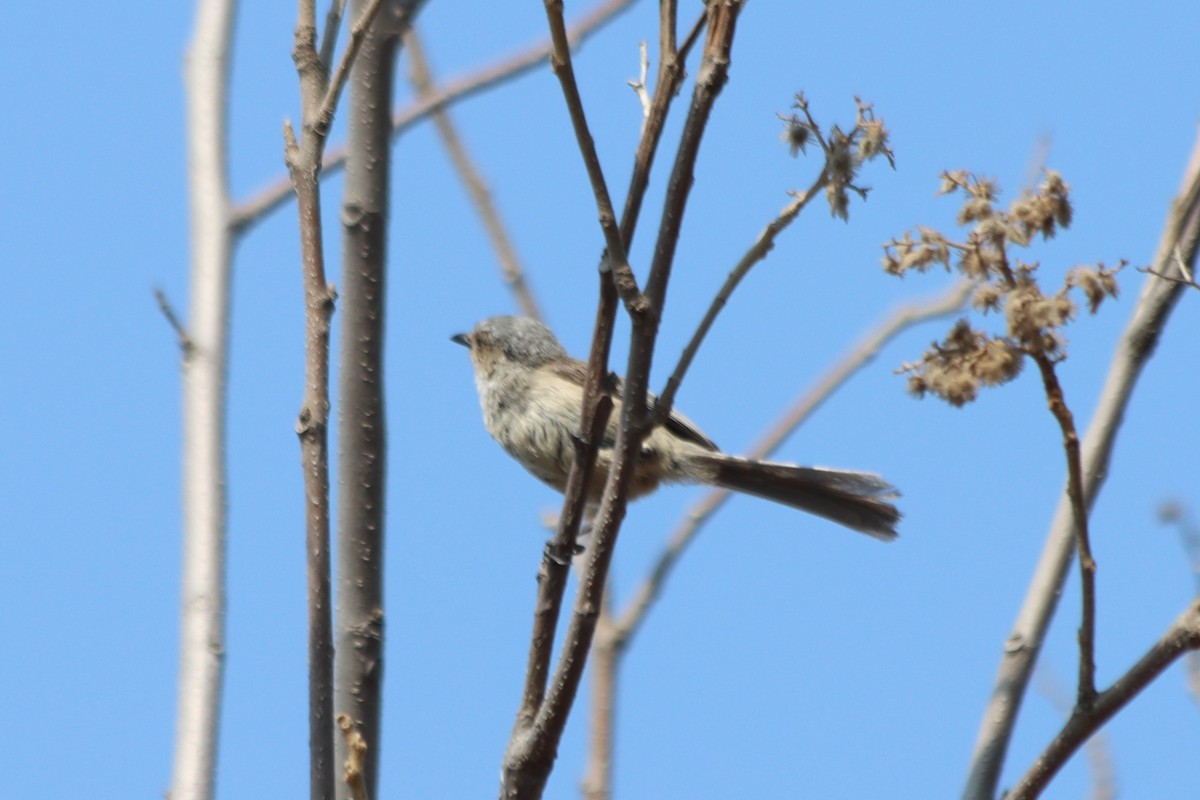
pixel 318 95
pixel 205 366
pixel 531 751
pixel 362 428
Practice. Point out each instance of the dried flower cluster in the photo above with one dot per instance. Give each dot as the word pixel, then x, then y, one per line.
pixel 967 360
pixel 845 152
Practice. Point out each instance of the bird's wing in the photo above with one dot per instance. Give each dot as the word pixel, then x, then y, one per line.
pixel 677 424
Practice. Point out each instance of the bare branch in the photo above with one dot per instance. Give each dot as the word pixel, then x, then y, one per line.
pixel 337 82
pixel 205 366
pixel 532 748
pixel 711 76
pixel 1079 522
pixel 670 76
pixel 1133 353
pixel 1184 273
pixel 757 252
pixel 633 425
pixel 275 194
pixel 477 189
pixel 333 24
pixel 639 85
pixel 1098 749
pixel 164 305
pixel 605 662
pixel 363 451
pixel 318 97
pixel 1183 635
pixel 560 61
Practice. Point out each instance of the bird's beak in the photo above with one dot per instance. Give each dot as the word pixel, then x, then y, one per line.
pixel 461 338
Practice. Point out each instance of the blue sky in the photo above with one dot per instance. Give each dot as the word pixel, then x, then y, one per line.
pixel 787 658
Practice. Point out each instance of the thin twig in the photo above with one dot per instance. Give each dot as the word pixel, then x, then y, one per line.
pixel 711 77
pixel 265 200
pixel 666 87
pixel 1132 354
pixel 758 251
pixel 477 189
pixel 528 759
pixel 1098 748
pixel 639 85
pixel 598 777
pixel 333 24
pixel 1186 280
pixel 531 751
pixel 339 76
pixel 605 663
pixel 1182 635
pixel 164 305
pixel 560 61
pixel 1086 690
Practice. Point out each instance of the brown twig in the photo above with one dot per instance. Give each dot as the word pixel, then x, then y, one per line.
pixel 1132 354
pixel 711 76
pixel 1056 401
pixel 164 305
pixel 531 750
pixel 333 24
pixel 341 74
pixel 617 260
pixel 1183 635
pixel 552 576
pixel 318 97
pixel 634 419
pixel 527 759
pixel 1098 749
pixel 757 252
pixel 670 76
pixel 265 200
pixel 605 663
pixel 477 189
pixel 1086 690
pixel 614 634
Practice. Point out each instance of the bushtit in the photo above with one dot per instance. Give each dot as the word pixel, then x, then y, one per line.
pixel 532 394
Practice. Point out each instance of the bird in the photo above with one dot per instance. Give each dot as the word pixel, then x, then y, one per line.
pixel 531 393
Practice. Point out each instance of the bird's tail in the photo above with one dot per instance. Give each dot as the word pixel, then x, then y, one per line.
pixel 858 500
